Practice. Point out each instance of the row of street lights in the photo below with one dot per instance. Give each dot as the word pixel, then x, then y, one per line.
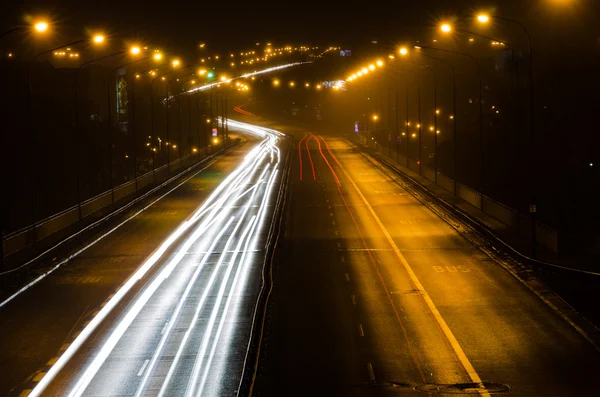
pixel 447 29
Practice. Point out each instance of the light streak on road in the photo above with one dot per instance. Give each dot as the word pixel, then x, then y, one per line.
pixel 256 73
pixel 234 212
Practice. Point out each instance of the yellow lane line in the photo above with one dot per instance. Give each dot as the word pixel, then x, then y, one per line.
pixel 436 314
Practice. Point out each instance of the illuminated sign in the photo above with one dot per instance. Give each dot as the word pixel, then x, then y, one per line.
pixel 214 132
pixel 345 53
pixel 122 95
pixel 335 84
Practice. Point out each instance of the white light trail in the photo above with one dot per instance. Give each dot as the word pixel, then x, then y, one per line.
pixel 234 285
pixel 210 212
pixel 263 71
pixel 167 333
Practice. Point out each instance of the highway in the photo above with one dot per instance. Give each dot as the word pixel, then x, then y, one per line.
pixel 179 323
pixel 380 296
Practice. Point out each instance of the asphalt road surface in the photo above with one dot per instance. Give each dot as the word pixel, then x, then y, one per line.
pixel 163 305
pixel 378 295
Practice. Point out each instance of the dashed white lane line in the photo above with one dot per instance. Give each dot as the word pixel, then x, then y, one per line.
pixel 361 331
pixel 337 233
pixel 143 368
pixel 164 328
pixel 342 259
pixel 428 301
pixel 333 223
pixel 347 277
pixel 331 214
pixel 339 245
pixel 353 300
pixel 371 373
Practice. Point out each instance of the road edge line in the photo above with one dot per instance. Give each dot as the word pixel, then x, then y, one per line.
pixel 436 314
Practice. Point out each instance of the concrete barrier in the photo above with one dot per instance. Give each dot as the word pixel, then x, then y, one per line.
pixel 22 238
pixel 446 183
pixel 429 173
pixel 546 236
pixel 402 160
pixel 414 166
pixel 502 212
pixel 124 190
pixel 469 195
pixel 94 204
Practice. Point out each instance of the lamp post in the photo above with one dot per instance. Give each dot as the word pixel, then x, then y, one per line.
pixel 30 121
pixel 156 56
pixel 484 19
pixel 453 116
pixel 38 27
pixel 162 77
pixel 481 161
pixel 77 124
pixel 134 51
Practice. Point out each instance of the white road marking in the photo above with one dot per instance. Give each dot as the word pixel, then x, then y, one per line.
pixel 342 259
pixel 353 300
pixel 361 331
pixel 371 373
pixel 347 277
pixel 141 371
pixel 164 328
pixel 436 314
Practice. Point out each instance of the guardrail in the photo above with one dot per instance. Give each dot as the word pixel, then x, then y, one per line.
pixel 546 236
pixel 29 235
pixel 481 227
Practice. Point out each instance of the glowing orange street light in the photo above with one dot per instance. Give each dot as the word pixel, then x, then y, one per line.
pixel 446 28
pixel 135 50
pixel 483 18
pixel 41 26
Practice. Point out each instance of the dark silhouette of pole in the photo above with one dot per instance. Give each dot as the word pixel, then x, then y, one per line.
pixel 110 154
pixel 481 154
pixel 453 115
pixel 77 122
pixel 532 146
pixel 33 162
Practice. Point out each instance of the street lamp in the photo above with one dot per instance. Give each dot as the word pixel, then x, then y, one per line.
pixel 40 27
pixel 77 117
pixel 446 28
pixel 481 161
pixel 437 112
pixel 484 19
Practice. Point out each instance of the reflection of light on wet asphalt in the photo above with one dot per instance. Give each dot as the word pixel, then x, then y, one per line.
pixel 231 209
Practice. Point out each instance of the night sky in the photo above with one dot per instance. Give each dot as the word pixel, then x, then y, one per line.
pixel 238 25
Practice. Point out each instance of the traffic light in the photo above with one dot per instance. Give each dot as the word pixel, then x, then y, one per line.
pixel 210 74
